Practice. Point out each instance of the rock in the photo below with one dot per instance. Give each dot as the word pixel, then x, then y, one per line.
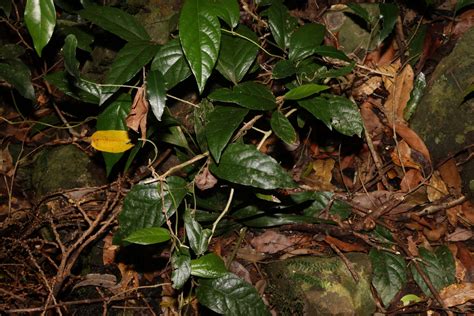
pixel 321 286
pixel 443 118
pixel 64 167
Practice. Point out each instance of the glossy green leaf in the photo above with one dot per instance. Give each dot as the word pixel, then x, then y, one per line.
pixel 208 266
pixel 281 24
pixel 129 61
pixel 116 21
pixel 336 112
pixel 181 264
pixel 244 164
pixel 389 13
pixel 198 237
pixel 415 47
pixel 16 73
pixel 176 137
pixel 331 51
pixel 415 96
pixel 6 6
pixel 156 92
pixel 78 89
pixel 252 95
pixel 282 128
pixel 361 12
pixel 305 40
pixel 200 35
pixel 389 274
pixel 113 118
pixel 222 123
pixel 283 68
pixel 149 236
pixel 338 72
pixel 170 61
pixel 69 51
pixel 230 295
pixel 146 205
pixel 11 51
pixel 40 19
pixel 439 267
pixel 227 10
pixel 460 4
pixel 304 91
pixel 237 54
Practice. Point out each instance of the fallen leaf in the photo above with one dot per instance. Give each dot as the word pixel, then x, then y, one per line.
pixel 457 294
pixel 416 143
pixel 468 212
pixel 136 119
pixel 344 246
pixel 402 156
pixel 465 257
pixel 436 233
pixel 460 234
pixel 449 172
pixel 436 189
pixel 323 172
pixel 410 180
pixel 367 87
pixel 452 214
pixel 111 141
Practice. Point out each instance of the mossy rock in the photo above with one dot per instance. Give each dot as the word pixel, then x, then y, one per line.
pixel 444 118
pixel 321 286
pixel 64 167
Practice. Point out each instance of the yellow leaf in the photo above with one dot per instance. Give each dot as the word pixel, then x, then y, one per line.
pixel 111 141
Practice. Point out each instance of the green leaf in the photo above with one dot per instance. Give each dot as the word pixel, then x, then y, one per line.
pixel 208 266
pixel 198 237
pixel 80 90
pixel 181 264
pixel 156 92
pixel 149 236
pixel 11 51
pixel 146 205
pixel 361 12
pixel 252 95
pixel 170 61
pixel 282 128
pixel 176 137
pixel 439 267
pixel 237 54
pixel 279 219
pixel 40 19
pixel 230 295
pixel 69 51
pixel 16 73
pixel 200 35
pixel 113 118
pixel 415 47
pixel 460 4
pixel 116 21
pixel 389 13
pixel 281 24
pixel 304 91
pixel 222 123
pixel 84 39
pixel 6 6
pixel 330 51
pixel 283 68
pixel 335 111
pixel 321 200
pixel 415 96
pixel 244 164
pixel 305 40
pixel 129 61
pixel 389 274
pixel 227 10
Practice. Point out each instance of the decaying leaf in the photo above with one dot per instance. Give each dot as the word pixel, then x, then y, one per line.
pixel 136 119
pixel 460 234
pixel 449 172
pixel 410 180
pixel 205 180
pixel 399 95
pixel 457 294
pixel 111 141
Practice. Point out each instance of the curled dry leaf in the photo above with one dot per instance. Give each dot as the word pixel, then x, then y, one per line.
pixel 136 119
pixel 205 180
pixel 457 294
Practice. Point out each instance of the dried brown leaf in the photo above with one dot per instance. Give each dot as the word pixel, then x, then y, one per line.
pixel 449 172
pixel 205 180
pixel 457 294
pixel 136 119
pixel 271 242
pixel 436 189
